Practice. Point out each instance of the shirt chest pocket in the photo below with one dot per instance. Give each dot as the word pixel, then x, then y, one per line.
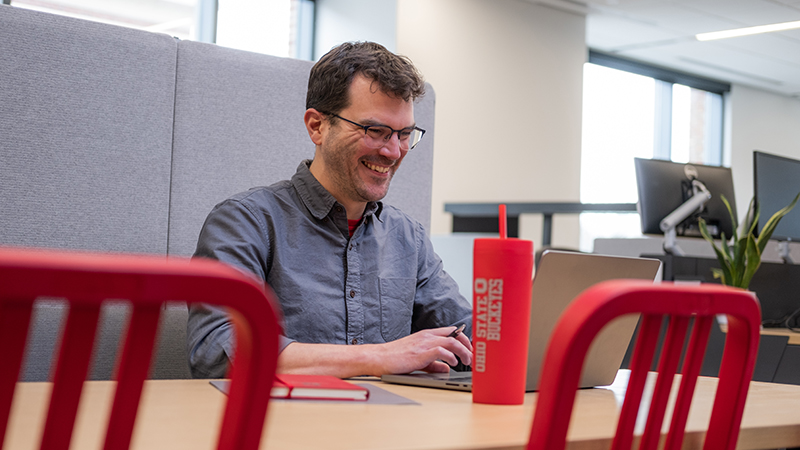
pixel 397 306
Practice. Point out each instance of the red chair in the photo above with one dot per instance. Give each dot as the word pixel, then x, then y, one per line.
pixel 86 281
pixel 683 304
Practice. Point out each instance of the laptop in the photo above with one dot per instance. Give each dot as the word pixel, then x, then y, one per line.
pixel 559 278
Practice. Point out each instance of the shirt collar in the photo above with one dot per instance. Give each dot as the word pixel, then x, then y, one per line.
pixel 317 199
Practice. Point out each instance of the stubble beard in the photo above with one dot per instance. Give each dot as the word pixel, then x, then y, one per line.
pixel 346 175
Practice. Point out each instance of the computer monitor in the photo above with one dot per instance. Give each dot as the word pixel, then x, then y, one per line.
pixel 776 181
pixel 663 186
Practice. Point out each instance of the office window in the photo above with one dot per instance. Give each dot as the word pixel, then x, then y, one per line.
pixel 275 27
pixel 634 110
pixel 174 17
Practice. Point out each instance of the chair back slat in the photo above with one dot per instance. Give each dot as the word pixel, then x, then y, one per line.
pixel 643 351
pixel 734 382
pixel 693 361
pixel 667 366
pixel 133 368
pixel 683 305
pixel 15 318
pixel 249 394
pixel 74 356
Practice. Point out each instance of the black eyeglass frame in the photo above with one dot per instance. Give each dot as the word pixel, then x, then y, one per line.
pixel 367 127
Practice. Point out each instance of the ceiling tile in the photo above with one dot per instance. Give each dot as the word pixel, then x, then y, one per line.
pixel 662 32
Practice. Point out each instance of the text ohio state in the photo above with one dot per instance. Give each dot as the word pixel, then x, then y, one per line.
pixel 488 298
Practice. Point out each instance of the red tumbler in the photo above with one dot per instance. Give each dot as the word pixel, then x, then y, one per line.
pixel 502 280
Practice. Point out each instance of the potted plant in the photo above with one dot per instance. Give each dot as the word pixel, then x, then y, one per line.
pixel 739 260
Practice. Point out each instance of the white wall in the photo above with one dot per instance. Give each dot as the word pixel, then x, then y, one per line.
pixel 760 120
pixel 508 81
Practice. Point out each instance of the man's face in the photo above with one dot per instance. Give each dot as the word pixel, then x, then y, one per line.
pixel 356 172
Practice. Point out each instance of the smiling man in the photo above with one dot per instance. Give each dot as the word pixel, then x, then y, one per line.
pixel 361 289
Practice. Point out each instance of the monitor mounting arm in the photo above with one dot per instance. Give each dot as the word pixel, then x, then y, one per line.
pixel 689 207
pixel 784 252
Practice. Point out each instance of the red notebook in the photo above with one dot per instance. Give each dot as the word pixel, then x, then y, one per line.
pixel 317 387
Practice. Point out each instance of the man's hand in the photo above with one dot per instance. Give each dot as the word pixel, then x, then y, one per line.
pixel 429 350
pixel 426 350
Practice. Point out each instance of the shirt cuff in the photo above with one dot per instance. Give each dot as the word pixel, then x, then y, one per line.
pixel 284 341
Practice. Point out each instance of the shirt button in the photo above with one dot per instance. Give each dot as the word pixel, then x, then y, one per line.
pixel 351 246
pixel 352 294
pixel 338 209
pixel 354 341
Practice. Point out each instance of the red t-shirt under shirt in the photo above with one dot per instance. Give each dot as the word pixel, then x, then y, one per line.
pixel 352 224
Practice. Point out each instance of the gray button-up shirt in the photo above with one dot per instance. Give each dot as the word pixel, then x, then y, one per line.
pixel 383 283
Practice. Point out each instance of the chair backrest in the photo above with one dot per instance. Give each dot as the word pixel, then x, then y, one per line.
pixel 88 280
pixel 684 305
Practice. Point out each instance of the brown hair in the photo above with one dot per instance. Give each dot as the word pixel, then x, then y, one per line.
pixel 331 76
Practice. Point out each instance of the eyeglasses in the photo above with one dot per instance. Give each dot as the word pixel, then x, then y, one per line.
pixel 376 136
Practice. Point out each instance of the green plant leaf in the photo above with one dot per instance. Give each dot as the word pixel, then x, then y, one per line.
pixel 739 261
pixel 726 248
pixel 752 228
pixel 720 275
pixel 724 259
pixel 704 232
pixel 769 227
pixel 734 219
pixel 749 218
pixel 753 262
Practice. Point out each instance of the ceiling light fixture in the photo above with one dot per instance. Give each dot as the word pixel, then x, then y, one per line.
pixel 748 31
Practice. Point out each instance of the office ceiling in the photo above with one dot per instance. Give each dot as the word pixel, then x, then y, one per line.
pixel 659 32
pixel 662 32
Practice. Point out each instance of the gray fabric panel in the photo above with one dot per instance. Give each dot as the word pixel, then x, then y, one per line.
pixel 412 185
pixel 46 325
pixel 238 124
pixel 172 357
pixel 113 320
pixel 170 361
pixel 85 133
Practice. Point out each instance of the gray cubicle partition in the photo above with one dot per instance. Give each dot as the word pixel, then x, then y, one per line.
pixel 238 124
pixel 118 140
pixel 85 158
pixel 412 184
pixel 85 133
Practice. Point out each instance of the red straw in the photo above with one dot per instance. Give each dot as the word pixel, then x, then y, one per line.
pixel 503 221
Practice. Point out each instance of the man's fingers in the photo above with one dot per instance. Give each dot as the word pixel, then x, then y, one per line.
pixel 465 341
pixel 461 347
pixel 437 367
pixel 455 347
pixel 446 355
pixel 465 355
pixel 430 350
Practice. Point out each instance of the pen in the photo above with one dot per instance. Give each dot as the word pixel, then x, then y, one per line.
pixel 457 331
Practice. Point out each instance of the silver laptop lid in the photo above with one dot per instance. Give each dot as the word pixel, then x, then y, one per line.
pixel 560 277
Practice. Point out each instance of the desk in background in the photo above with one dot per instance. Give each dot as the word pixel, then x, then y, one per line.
pixel 482 217
pixel 777 286
pixel 185 414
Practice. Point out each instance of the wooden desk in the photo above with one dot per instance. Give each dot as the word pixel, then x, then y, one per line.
pixel 185 414
pixel 794 337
